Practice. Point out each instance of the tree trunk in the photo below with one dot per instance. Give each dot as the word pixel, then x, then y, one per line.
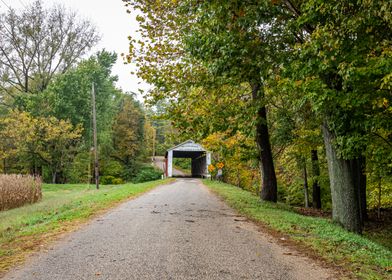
pixel 269 189
pixel 316 190
pixel 379 199
pixel 362 188
pixel 306 185
pixel 4 166
pixel 54 177
pixel 345 194
pixel 359 177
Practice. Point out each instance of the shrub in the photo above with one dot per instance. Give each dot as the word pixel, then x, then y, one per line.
pixel 111 168
pixel 117 181
pixel 147 173
pixel 17 190
pixel 111 180
pixel 79 171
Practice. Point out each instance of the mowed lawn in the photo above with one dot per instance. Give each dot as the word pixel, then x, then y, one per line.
pixel 62 209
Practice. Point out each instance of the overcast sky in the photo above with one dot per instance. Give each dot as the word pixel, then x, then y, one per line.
pixel 114 25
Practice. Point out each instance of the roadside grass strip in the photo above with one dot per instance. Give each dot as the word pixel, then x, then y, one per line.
pixel 354 253
pixel 63 208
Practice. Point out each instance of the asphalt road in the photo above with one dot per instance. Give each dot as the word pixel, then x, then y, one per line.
pixel 177 231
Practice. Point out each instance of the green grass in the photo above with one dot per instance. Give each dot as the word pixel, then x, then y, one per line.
pixel 364 258
pixel 381 235
pixel 62 208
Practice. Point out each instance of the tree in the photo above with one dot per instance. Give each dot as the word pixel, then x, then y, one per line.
pixel 68 97
pixel 128 134
pixel 222 44
pixel 344 65
pixel 51 141
pixel 37 43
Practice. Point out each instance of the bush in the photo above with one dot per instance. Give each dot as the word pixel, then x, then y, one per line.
pixel 111 180
pixel 111 168
pixel 17 190
pixel 147 173
pixel 80 169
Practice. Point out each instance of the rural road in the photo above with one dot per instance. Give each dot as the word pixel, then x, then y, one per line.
pixel 160 163
pixel 176 231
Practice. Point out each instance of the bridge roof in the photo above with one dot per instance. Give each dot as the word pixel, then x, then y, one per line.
pixel 187 149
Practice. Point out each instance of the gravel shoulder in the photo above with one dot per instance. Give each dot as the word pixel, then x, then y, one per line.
pixel 176 231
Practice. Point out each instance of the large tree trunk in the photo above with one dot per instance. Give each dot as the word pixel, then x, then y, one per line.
pixel 316 190
pixel 358 166
pixel 269 189
pixel 345 194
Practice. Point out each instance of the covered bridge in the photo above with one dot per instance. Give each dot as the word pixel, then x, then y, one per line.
pixel 200 157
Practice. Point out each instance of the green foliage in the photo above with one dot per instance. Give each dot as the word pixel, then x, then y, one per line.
pixel 68 97
pixel 54 136
pixel 80 169
pixel 47 141
pixel 147 173
pixel 380 193
pixel 110 180
pixel 317 64
pixel 128 131
pixel 295 193
pixel 183 163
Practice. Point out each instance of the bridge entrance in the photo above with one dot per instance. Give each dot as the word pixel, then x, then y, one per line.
pixel 199 156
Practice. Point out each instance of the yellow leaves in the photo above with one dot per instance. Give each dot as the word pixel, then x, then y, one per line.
pixel 386 82
pixel 381 103
pixel 23 133
pixel 385 102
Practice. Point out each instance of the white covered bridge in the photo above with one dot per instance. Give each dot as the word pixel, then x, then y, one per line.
pixel 200 157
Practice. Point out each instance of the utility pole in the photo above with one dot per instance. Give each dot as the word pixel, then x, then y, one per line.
pixel 96 166
pixel 153 143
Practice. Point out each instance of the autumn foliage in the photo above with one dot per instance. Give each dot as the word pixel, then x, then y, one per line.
pixel 17 190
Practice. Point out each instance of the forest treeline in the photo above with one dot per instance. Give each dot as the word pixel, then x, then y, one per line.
pixel 46 102
pixel 299 90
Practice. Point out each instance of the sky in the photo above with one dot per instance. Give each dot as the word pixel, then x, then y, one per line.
pixel 114 26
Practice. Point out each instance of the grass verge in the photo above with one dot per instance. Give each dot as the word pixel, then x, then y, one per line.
pixel 356 254
pixel 63 208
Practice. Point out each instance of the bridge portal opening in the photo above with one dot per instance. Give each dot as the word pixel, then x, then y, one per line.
pixel 200 158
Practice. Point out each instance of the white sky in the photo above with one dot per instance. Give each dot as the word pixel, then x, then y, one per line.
pixel 114 25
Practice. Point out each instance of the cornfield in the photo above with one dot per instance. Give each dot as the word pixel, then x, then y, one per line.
pixel 17 190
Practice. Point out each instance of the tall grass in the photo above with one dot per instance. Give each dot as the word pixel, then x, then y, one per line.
pixel 18 190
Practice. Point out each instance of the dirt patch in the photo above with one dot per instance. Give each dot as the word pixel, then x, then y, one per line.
pixel 313 212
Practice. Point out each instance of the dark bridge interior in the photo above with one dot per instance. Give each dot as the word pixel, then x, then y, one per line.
pixel 198 162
